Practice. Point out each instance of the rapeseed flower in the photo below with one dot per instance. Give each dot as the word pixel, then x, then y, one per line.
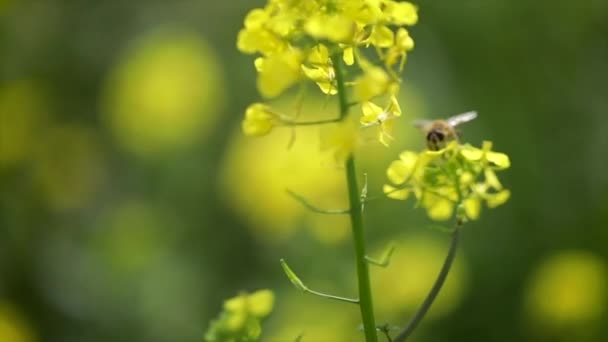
pixel 299 41
pixel 456 179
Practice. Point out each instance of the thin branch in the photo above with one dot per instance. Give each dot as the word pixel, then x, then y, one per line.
pixel 297 282
pixel 422 310
pixel 385 259
pixel 314 208
pixel 328 296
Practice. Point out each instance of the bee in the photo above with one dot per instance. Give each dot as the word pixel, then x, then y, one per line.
pixel 440 132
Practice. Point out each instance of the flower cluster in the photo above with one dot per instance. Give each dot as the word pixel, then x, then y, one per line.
pixel 240 320
pixel 300 41
pixel 458 176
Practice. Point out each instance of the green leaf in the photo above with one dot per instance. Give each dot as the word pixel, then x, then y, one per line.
pixel 295 280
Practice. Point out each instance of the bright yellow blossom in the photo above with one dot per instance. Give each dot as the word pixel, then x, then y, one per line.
pixel 457 177
pixel 299 41
pixel 319 69
pixel 382 117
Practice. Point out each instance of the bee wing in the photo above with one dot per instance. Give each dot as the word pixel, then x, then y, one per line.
pixel 422 123
pixel 461 118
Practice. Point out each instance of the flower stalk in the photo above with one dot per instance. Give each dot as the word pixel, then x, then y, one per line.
pixel 428 301
pixel 365 294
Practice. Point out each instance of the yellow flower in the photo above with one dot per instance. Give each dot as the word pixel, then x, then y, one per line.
pixel 336 28
pixel 241 317
pixel 398 51
pixel 374 81
pixel 256 38
pixel 382 36
pixel 400 13
pixel 383 118
pixel 259 120
pixel 278 72
pixel 320 70
pixel 458 176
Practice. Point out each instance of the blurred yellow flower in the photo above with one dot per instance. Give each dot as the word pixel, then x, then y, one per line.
pixel 241 317
pixel 414 266
pixel 568 289
pixel 278 72
pixel 374 82
pixel 164 94
pixel 13 326
pixel 270 167
pixel 259 120
pixel 324 321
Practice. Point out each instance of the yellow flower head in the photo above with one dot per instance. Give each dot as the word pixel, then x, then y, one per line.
pixel 259 120
pixel 458 177
pixel 301 41
pixel 373 115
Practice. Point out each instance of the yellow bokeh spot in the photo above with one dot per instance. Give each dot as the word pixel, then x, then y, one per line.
pixel 23 116
pixel 313 318
pixel 257 172
pixel 68 166
pixel 13 327
pixel 568 288
pixel 164 94
pixel 413 269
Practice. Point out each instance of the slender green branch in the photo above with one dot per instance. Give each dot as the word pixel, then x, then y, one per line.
pixel 428 301
pixel 302 200
pixel 328 296
pixel 297 282
pixel 365 292
pixel 385 259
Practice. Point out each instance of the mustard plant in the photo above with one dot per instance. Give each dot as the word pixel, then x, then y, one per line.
pixel 353 51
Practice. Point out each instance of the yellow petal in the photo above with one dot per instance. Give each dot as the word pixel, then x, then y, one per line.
pixel 382 36
pixel 374 82
pixel 328 88
pixel 402 13
pixel 394 193
pixel 471 153
pixel 501 160
pixel 498 199
pixel 255 18
pixel 438 208
pixel 314 74
pixel 400 170
pixel 371 111
pixel 394 107
pixel 472 207
pixel 261 303
pixel 349 56
pixel 319 55
pixel 403 41
pixel 491 179
pixel 280 72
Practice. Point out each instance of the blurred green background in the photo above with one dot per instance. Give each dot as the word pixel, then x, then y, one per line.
pixel 131 205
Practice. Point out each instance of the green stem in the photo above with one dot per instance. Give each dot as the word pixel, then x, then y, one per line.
pixel 407 331
pixel 356 217
pixel 328 296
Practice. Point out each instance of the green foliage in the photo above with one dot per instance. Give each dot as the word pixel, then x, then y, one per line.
pixel 241 319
